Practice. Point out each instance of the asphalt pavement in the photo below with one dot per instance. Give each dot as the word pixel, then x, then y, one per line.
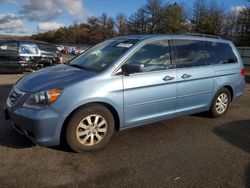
pixel 189 151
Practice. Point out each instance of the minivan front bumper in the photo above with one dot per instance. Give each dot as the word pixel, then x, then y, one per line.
pixel 41 126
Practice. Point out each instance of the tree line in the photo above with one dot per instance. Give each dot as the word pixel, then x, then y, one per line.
pixel 158 17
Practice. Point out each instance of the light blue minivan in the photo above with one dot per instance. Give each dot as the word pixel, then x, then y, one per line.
pixel 126 82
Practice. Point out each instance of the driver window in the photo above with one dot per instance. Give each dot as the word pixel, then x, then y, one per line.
pixel 153 55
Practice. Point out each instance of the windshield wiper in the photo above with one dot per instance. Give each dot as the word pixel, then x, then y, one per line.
pixel 75 65
pixel 81 67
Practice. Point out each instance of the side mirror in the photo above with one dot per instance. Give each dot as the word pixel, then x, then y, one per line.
pixel 128 69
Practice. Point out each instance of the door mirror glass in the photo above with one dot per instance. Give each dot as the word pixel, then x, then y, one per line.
pixel 132 68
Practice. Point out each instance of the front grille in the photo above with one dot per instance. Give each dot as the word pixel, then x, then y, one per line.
pixel 14 96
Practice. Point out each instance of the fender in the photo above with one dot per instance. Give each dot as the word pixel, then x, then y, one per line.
pixel 74 106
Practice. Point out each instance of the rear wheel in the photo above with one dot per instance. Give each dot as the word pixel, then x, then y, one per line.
pixel 220 103
pixel 90 128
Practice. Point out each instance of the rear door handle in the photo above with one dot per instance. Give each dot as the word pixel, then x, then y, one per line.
pixel 185 76
pixel 167 78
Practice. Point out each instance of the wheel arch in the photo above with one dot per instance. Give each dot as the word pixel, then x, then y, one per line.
pixel 230 90
pixel 107 105
pixel 227 86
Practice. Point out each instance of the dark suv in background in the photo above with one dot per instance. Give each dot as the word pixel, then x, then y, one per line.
pixel 27 55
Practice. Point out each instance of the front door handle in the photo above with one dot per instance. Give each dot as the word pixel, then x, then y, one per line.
pixel 185 76
pixel 167 78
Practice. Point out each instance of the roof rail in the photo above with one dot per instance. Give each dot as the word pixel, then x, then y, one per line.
pixel 203 35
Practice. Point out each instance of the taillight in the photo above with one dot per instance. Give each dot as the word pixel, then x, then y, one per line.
pixel 242 72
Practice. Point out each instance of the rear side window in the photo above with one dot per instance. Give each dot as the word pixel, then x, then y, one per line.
pixel 154 56
pixel 219 53
pixel 10 46
pixel 188 53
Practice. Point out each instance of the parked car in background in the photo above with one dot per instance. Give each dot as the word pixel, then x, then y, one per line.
pixel 60 47
pixel 49 55
pixel 26 55
pixel 79 51
pixel 125 82
pixel 73 50
pixel 64 50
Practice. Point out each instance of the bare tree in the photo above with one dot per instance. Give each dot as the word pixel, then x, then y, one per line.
pixel 94 30
pixel 230 25
pixel 243 26
pixel 138 22
pixel 174 19
pixel 110 28
pixel 215 18
pixel 121 24
pixel 153 9
pixel 198 16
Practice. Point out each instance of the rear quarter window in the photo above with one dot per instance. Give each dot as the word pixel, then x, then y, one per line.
pixel 219 53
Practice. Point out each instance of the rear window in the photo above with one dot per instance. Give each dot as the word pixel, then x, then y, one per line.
pixel 219 53
pixel 188 53
pixel 9 46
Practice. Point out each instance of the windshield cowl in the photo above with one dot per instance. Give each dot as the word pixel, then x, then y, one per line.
pixel 80 67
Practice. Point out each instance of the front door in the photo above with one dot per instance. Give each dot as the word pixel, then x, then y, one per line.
pixel 150 95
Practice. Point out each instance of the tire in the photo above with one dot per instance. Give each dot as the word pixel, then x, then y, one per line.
pixel 221 103
pixel 38 67
pixel 90 128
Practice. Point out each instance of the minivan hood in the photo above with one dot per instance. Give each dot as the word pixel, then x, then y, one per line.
pixel 57 77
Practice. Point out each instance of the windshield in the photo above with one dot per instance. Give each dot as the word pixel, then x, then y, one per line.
pixel 28 49
pixel 103 55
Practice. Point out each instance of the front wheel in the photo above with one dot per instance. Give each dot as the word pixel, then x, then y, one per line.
pixel 90 128
pixel 220 103
pixel 38 67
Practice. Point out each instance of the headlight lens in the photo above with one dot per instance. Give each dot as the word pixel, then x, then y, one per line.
pixel 42 99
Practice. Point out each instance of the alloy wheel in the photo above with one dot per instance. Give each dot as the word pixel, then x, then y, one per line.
pixel 91 130
pixel 221 103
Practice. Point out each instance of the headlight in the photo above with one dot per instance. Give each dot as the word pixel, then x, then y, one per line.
pixel 24 58
pixel 42 99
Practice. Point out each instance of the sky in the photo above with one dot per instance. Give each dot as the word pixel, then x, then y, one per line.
pixel 26 17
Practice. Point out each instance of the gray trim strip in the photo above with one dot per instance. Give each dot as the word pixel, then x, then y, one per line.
pixel 170 98
pixel 194 94
pixel 149 102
